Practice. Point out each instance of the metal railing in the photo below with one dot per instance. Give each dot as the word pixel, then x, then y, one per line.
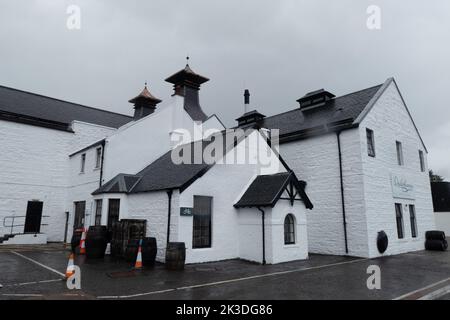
pixel 16 222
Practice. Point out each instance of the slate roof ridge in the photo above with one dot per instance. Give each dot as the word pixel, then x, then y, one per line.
pixel 342 96
pixel 65 101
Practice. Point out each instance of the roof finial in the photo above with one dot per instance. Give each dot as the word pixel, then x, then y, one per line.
pixel 187 60
pixel 145 84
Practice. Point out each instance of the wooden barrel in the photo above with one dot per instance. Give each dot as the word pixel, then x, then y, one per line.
pixel 436 245
pixel 96 241
pixel 76 238
pixel 175 256
pixel 382 241
pixel 149 250
pixel 435 235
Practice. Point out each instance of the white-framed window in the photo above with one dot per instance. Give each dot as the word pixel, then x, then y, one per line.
pixel 422 161
pixel 399 147
pixel 370 143
pixel 399 219
pixel 289 229
pixel 412 219
pixel 83 163
pixel 98 157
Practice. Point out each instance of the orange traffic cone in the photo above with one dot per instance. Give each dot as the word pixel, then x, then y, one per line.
pixel 82 242
pixel 138 264
pixel 70 266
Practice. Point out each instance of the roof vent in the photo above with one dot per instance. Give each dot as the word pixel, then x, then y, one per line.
pixel 315 99
pixel 250 118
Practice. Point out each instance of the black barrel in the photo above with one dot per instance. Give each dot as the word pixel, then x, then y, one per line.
pixel 435 235
pixel 131 250
pixel 436 245
pixel 175 256
pixel 76 238
pixel 149 250
pixel 96 241
pixel 382 241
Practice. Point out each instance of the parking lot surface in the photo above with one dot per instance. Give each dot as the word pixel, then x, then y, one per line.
pixel 37 272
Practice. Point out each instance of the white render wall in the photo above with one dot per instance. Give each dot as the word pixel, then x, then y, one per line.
pixel 250 233
pixel 316 161
pixel 443 222
pixel 225 183
pixel 153 207
pixel 35 166
pixel 390 122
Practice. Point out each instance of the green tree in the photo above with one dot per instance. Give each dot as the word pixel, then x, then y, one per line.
pixel 435 177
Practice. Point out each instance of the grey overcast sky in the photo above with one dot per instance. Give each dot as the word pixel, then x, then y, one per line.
pixel 278 49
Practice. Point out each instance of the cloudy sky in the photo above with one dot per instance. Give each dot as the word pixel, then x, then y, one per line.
pixel 278 49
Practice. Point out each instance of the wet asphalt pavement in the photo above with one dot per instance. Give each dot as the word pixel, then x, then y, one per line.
pixel 320 277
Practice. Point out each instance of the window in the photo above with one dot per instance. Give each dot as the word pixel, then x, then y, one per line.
pixel 201 233
pixel 98 212
pixel 289 229
pixel 83 162
pixel 412 217
pixel 399 218
pixel 399 153
pixel 422 161
pixel 370 143
pixel 113 212
pixel 80 210
pixel 98 158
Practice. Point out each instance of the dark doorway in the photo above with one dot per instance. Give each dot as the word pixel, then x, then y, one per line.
pixel 33 217
pixel 113 212
pixel 80 208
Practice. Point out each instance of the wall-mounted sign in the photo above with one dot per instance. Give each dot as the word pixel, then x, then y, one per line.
pixel 186 212
pixel 401 187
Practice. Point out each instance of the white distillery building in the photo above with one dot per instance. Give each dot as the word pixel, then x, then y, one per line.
pixel 360 160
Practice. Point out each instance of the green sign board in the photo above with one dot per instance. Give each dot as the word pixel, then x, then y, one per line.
pixel 186 212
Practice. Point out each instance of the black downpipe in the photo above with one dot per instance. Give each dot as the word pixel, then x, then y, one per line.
pixel 169 194
pixel 101 164
pixel 263 235
pixel 344 219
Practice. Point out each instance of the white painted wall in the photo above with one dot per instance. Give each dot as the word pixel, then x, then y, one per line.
pixel 390 122
pixel 153 207
pixel 250 233
pixel 316 161
pixel 35 166
pixel 443 222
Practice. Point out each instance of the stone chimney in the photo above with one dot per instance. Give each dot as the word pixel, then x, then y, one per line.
pixel 144 104
pixel 186 83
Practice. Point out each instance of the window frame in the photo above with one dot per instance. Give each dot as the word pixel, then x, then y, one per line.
pixel 399 149
pixel 98 157
pixel 413 220
pixel 370 138
pixel 98 215
pixel 422 161
pixel 201 238
pixel 289 234
pixel 83 163
pixel 399 221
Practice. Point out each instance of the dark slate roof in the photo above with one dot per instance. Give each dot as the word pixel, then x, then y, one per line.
pixel 31 108
pixel 266 190
pixel 338 112
pixel 122 183
pixel 164 174
pixel 441 196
